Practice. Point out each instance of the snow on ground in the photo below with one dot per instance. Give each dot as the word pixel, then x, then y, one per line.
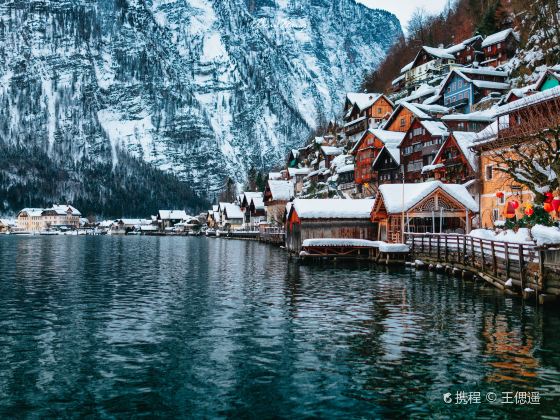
pixel 522 236
pixel 385 247
pixel 545 235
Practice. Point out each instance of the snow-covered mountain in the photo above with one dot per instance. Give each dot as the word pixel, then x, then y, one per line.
pixel 202 89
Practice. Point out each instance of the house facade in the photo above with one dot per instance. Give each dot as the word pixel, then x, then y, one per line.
pixel 498 48
pixel 55 217
pixel 419 147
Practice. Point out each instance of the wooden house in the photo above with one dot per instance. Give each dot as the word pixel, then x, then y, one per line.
pixel 257 213
pixel 232 218
pixel 472 122
pixel 515 120
pixel 464 87
pixel 276 194
pixel 468 51
pixel 549 79
pixel 403 115
pixel 6 225
pixel 423 207
pixel 328 153
pixel 455 162
pixel 213 216
pixel 365 151
pixel 246 203
pixel 169 218
pixel 498 48
pixel 365 110
pixel 387 165
pixel 328 218
pixel 429 65
pixel 297 176
pixel 419 147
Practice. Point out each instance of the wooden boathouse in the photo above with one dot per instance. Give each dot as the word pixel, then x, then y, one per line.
pixel 328 218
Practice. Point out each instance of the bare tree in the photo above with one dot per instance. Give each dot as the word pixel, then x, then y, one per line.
pixel 527 147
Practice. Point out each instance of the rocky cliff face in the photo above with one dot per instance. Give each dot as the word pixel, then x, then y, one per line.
pixel 102 92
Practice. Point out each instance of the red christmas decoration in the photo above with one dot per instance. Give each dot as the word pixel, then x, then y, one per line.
pixel 548 207
pixel 510 210
pixel 548 197
pixel 500 194
pixel 556 204
pixel 529 211
pixel 515 204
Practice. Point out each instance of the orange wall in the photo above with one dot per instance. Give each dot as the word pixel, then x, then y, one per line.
pixel 396 124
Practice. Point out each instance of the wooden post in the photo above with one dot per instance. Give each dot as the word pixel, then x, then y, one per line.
pixel 413 244
pixel 494 262
pixel 446 251
pixel 473 259
pixel 430 245
pixel 482 255
pixel 438 246
pixel 506 255
pixel 464 248
pixel 521 264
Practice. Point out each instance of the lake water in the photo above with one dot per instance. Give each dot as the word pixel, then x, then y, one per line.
pixel 195 327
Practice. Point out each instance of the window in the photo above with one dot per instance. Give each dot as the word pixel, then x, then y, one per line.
pixel 489 172
pixel 453 98
pixel 403 122
pixel 379 110
pixel 495 214
pixel 502 200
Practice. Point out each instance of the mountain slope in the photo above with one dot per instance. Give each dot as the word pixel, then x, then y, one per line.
pixel 199 88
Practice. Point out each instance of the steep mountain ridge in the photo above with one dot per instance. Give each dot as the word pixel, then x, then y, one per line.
pixel 199 89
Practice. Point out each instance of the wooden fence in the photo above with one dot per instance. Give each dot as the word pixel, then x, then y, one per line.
pixel 273 235
pixel 501 263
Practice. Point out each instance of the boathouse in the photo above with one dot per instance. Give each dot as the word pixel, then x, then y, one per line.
pixel 276 194
pixel 422 207
pixel 328 218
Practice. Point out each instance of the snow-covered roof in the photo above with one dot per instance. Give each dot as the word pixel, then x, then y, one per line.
pixel 522 91
pixel 172 214
pixel 435 128
pixel 407 67
pixel 478 116
pixel 393 150
pixel 333 208
pixel 274 175
pixel 484 84
pixel 465 140
pixel 298 171
pixel 331 150
pixel 215 207
pixel 421 111
pixel 232 211
pixel 388 137
pixel 397 80
pixel 484 71
pixel 438 52
pixel 422 91
pixel 281 190
pixel 529 100
pixel 135 222
pixel 431 100
pixel 497 37
pixel 345 168
pixel 258 202
pixel 320 242
pixel 65 209
pixel 362 100
pixel 392 195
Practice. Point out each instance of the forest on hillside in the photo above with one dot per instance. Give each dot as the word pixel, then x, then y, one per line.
pixel 536 20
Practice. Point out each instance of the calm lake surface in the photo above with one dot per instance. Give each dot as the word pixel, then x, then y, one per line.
pixel 196 327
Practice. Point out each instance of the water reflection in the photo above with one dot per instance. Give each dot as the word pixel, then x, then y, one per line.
pixel 207 327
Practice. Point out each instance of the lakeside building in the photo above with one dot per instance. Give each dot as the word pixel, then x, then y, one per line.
pixel 327 218
pixel 276 194
pixel 422 207
pixel 515 123
pixel 55 217
pixel 169 218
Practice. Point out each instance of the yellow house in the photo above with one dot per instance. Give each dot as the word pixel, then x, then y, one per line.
pixel 515 123
pixel 37 219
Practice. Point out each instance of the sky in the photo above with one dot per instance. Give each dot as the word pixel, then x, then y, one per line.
pixel 403 8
